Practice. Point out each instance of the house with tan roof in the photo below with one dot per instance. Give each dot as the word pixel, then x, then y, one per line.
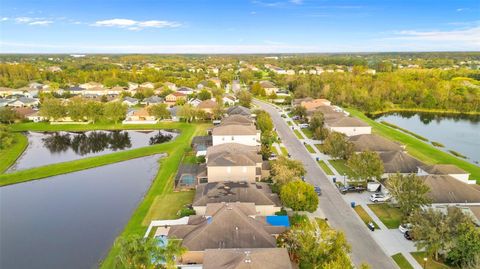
pixel 445 190
pixel 139 116
pixel 234 133
pixel 174 97
pixel 265 258
pixel 239 110
pixel 258 193
pixel 311 105
pixel 446 169
pixel 233 162
pixel 373 142
pixel 398 162
pixel 90 85
pixel 237 120
pixel 348 125
pixel 269 87
pixel 207 106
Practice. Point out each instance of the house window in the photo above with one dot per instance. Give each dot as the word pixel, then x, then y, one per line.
pixel 233 138
pixel 229 170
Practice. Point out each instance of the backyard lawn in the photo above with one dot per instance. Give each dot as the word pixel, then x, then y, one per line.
pixel 289 123
pixel 274 150
pixel 309 148
pixel 431 264
pixel 167 205
pixel 10 155
pixel 307 132
pixel 390 216
pixel 325 168
pixel 401 261
pixel 364 216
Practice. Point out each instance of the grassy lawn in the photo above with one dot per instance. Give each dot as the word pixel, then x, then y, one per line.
pixel 342 168
pixel 10 155
pixel 422 151
pixel 289 123
pixel 390 216
pixel 160 200
pixel 284 150
pixel 431 264
pixel 298 134
pixel 401 261
pixel 364 215
pixel 309 148
pixel 319 147
pixel 274 150
pixel 307 132
pixel 325 168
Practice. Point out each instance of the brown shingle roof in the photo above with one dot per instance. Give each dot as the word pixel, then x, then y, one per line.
pixel 264 258
pixel 216 192
pixel 399 162
pixel 373 142
pixel 347 122
pixel 447 189
pixel 233 154
pixel 236 120
pixel 234 129
pixel 228 227
pixel 234 110
pixel 442 169
pixel 209 104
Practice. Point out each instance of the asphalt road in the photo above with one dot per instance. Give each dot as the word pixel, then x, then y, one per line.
pixel 340 215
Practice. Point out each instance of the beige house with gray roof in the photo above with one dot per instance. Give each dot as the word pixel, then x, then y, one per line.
pixel 265 258
pixel 233 162
pixel 234 133
pixel 445 189
pixel 259 193
pixel 398 162
pixel 445 169
pixel 373 142
pixel 348 125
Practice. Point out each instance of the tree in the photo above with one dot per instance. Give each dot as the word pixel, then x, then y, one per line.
pixel 204 94
pixel 76 108
pixel 115 111
pixel 160 111
pixel 218 111
pixel 284 170
pixel 313 244
pixel 320 133
pixel 8 115
pixel 316 121
pixel 137 252
pixel 272 96
pixel 299 111
pixel 187 112
pixel 6 137
pixel 299 196
pixel 465 252
pixel 53 108
pixel 367 165
pixel 244 98
pixel 171 251
pixel 257 89
pixel 264 121
pixel 408 191
pixel 93 111
pixel 338 146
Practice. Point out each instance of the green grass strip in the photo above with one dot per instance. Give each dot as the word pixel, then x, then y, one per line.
pixel 298 134
pixel 430 264
pixel 10 155
pixel 390 216
pixel 284 150
pixel 418 149
pixel 307 132
pixel 405 131
pixel 401 261
pixel 309 148
pixel 364 216
pixel 325 168
pixel 342 168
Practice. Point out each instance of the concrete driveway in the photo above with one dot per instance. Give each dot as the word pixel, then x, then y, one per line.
pixel 331 204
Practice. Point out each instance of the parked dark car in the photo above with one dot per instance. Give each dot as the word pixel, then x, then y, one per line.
pixel 283 116
pixel 371 226
pixel 318 190
pixel 408 235
pixel 347 189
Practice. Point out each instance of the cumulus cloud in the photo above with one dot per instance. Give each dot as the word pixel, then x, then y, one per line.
pixel 32 21
pixel 136 25
pixel 45 22
pixel 469 35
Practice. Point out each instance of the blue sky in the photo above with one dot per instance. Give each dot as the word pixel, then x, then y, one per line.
pixel 231 26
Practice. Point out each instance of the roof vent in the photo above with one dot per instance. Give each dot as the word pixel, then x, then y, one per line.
pixel 247 257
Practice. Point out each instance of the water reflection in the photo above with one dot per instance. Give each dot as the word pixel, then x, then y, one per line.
pixel 160 138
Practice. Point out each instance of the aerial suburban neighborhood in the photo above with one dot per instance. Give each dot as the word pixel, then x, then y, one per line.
pixel 211 141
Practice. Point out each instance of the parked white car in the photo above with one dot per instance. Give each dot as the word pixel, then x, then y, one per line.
pixel 303 125
pixel 379 197
pixel 405 227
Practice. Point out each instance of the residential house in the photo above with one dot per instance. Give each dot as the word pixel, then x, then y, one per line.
pixel 95 91
pixel 269 87
pixel 207 106
pixel 259 193
pixel 25 102
pixel 233 162
pixel 174 97
pixel 242 134
pixel 147 85
pixel 132 86
pixel 91 85
pixel 171 86
pixel 116 90
pixel 152 100
pixel 239 110
pixel 349 126
pixel 129 101
pixel 373 142
pixel 398 162
pixel 236 86
pixel 185 90
pixel 229 100
pixel 28 113
pixel 139 116
pixel 446 169
pixel 5 102
pixel 9 91
pixel 217 82
pixel 311 104
pixel 265 258
pixel 237 120
pixel 194 102
pixel 76 90
pixel 447 190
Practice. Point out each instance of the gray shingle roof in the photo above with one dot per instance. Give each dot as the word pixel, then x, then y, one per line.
pixel 233 154
pixel 446 189
pixel 399 162
pixel 236 120
pixel 265 258
pixel 234 129
pixel 347 122
pixel 234 110
pixel 442 169
pixel 373 142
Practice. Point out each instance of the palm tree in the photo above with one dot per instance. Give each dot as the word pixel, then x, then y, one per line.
pixel 171 251
pixel 137 252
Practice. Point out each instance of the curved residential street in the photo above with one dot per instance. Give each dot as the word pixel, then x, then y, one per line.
pixel 331 204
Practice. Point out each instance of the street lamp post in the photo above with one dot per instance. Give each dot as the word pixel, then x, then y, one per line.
pixel 425 262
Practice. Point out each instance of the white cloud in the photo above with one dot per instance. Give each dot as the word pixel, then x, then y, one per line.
pixel 4 19
pixel 469 35
pixel 33 21
pixel 296 2
pixel 136 25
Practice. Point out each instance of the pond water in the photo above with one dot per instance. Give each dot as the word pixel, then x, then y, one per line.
pixel 53 147
pixel 460 133
pixel 70 221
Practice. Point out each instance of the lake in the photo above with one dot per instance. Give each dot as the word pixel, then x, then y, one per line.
pixel 70 221
pixel 53 147
pixel 460 133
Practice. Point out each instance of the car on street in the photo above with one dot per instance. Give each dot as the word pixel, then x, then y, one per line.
pixel 295 117
pixel 346 189
pixel 408 235
pixel 379 197
pixel 318 190
pixel 403 228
